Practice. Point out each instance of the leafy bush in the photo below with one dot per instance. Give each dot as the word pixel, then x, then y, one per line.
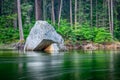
pixel 8 32
pixel 84 32
pixel 64 29
pixel 102 35
pixel 7 21
pixel 8 35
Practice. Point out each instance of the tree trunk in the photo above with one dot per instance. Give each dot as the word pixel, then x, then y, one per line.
pixel 15 12
pixel 96 14
pixel 103 17
pixel 53 13
pixel 80 12
pixel 44 10
pixel 112 25
pixel 109 15
pixel 75 13
pixel 20 21
pixel 38 11
pixel 60 12
pixel 91 13
pixel 71 23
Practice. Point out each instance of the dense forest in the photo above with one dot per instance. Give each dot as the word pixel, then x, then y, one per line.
pixel 76 20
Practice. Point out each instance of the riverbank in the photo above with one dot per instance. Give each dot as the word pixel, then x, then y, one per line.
pixel 8 46
pixel 78 46
pixel 93 46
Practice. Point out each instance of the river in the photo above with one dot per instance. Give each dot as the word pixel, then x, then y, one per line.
pixel 69 65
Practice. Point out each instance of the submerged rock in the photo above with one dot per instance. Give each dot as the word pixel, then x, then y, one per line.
pixel 41 36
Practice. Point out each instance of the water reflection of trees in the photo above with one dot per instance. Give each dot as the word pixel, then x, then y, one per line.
pixel 73 65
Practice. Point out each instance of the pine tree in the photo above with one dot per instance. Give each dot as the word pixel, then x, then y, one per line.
pixel 20 21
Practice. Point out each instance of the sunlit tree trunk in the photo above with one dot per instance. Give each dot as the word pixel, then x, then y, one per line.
pixel 71 22
pixel 112 25
pixel 110 12
pixel 109 15
pixel 91 13
pixel 53 12
pixel 20 21
pixel 61 3
pixel 75 13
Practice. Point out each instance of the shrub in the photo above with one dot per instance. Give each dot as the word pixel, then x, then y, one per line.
pixel 64 29
pixel 84 32
pixel 102 35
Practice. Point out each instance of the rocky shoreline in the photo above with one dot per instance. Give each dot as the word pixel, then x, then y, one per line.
pixel 94 46
pixel 83 46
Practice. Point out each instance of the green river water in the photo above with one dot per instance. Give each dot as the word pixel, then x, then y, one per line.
pixel 70 65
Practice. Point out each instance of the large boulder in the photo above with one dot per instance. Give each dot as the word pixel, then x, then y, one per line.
pixel 41 36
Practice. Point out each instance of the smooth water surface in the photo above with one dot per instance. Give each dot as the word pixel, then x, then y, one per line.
pixel 71 65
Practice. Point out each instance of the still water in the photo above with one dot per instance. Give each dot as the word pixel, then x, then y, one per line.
pixel 71 65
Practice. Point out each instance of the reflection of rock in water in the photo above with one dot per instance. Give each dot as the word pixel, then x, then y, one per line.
pixel 40 66
pixel 40 54
pixel 43 35
pixel 33 53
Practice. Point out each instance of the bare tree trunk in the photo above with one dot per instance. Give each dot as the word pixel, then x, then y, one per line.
pixel 60 12
pixel 109 15
pixel 58 8
pixel 106 13
pixel 53 12
pixel 91 13
pixel 80 11
pixel 96 14
pixel 15 12
pixel 103 17
pixel 20 21
pixel 38 10
pixel 71 22
pixel 75 13
pixel 112 25
pixel 44 10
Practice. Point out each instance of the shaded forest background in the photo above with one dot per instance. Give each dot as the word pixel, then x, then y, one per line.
pixel 76 20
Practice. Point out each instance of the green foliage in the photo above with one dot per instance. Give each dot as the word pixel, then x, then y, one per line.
pixel 11 35
pixel 102 35
pixel 84 32
pixel 64 29
pixel 8 35
pixel 7 21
